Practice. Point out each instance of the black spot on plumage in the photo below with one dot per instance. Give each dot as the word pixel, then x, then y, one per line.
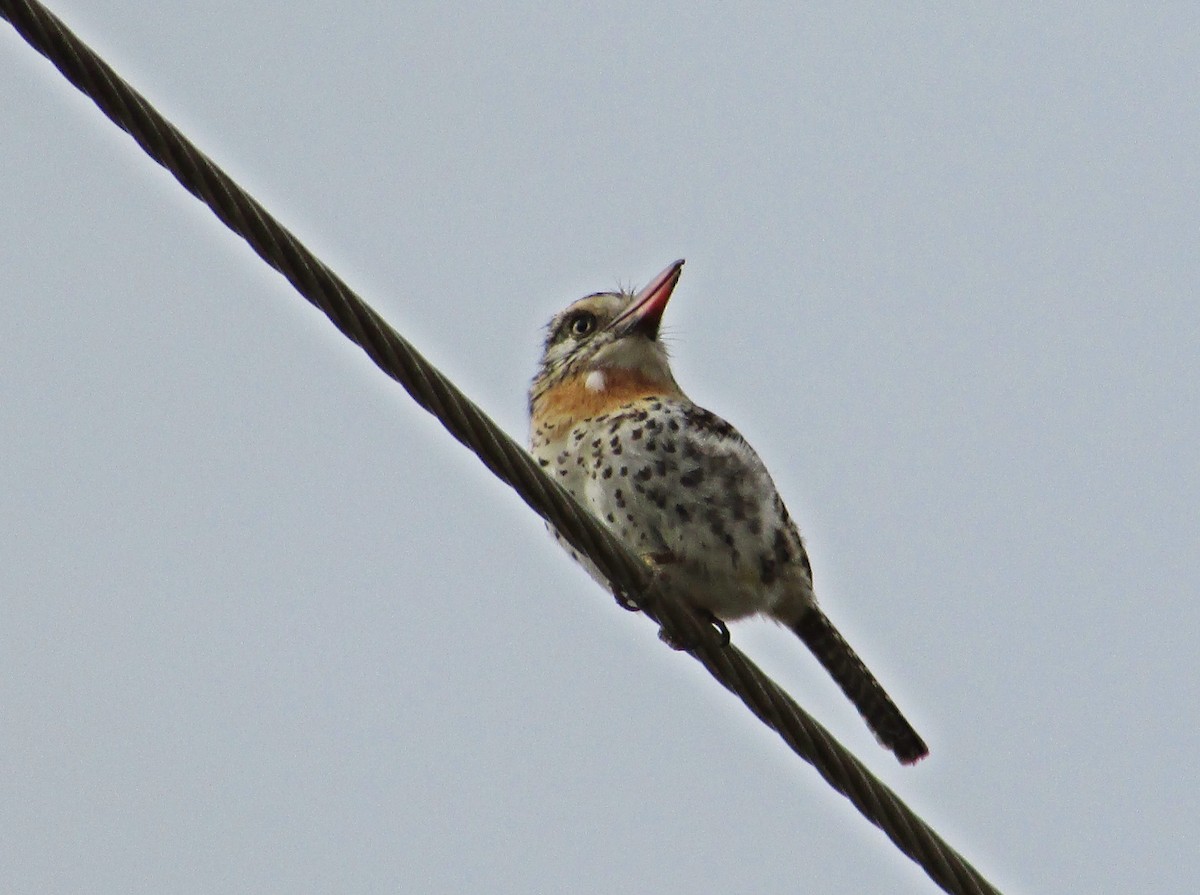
pixel 768 569
pixel 619 498
pixel 739 505
pixel 716 523
pixel 658 496
pixel 783 550
pixel 651 444
pixel 702 421
pixel 805 564
pixel 692 477
pixel 735 556
pixel 669 447
pixel 615 441
pixel 643 474
pixel 542 461
pixel 660 467
pixel 607 474
pixel 682 512
pixel 673 425
pixel 635 434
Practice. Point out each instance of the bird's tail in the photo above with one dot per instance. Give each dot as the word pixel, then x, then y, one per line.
pixel 889 726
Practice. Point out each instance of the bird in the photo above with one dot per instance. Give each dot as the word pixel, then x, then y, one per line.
pixel 681 487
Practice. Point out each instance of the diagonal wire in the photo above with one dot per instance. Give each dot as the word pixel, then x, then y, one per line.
pixel 504 457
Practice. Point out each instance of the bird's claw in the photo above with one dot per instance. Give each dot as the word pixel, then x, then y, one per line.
pixel 714 623
pixel 626 602
pixel 722 631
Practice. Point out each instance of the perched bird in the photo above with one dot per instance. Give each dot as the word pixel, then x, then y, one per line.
pixel 680 486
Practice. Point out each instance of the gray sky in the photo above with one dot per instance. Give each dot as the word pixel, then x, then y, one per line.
pixel 265 627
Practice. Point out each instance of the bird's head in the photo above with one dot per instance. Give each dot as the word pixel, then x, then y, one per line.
pixel 608 341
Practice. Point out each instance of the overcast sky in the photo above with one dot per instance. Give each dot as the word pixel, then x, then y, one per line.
pixel 265 627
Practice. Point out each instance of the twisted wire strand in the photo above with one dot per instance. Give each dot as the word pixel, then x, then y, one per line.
pixel 504 457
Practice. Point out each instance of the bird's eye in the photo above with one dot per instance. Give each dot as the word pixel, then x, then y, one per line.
pixel 582 323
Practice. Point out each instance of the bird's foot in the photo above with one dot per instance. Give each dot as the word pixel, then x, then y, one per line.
pixel 626 602
pixel 718 627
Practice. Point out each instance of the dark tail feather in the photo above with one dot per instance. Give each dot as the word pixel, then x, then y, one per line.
pixel 876 707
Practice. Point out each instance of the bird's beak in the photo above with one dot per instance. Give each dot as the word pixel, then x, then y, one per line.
pixel 646 310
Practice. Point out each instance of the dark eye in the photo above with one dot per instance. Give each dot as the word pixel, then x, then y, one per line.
pixel 582 323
